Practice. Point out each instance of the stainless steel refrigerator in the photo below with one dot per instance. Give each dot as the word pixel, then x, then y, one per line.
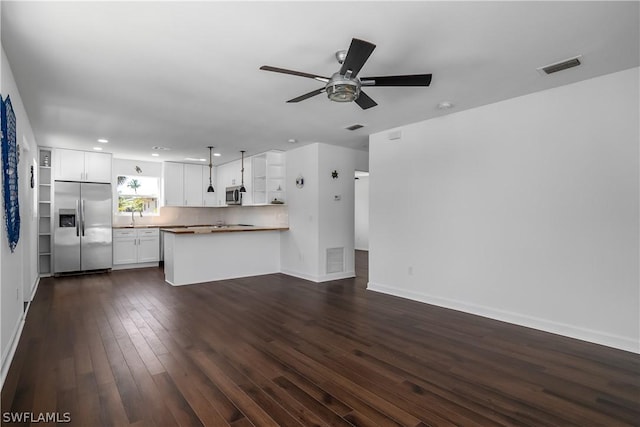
pixel 82 231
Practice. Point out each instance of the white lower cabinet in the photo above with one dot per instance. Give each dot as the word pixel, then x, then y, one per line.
pixel 135 247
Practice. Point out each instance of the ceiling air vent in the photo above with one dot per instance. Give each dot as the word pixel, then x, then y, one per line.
pixel 354 127
pixel 559 66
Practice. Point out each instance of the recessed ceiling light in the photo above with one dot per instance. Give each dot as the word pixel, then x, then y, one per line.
pixel 217 154
pixel 103 141
pixel 445 105
pixel 97 148
pixel 292 141
pixel 156 147
pixel 192 159
pixel 155 154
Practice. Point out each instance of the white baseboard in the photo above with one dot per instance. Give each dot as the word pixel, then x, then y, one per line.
pixel 33 293
pixel 303 276
pixel 320 279
pixel 572 331
pixel 7 358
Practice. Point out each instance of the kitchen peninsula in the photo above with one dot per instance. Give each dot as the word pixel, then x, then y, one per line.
pixel 207 253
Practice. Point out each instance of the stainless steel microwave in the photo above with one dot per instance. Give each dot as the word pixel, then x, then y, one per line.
pixel 233 195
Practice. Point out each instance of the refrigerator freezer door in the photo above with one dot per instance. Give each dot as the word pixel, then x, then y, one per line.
pixel 66 254
pixel 95 229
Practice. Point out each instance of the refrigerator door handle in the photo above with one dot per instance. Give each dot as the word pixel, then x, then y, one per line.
pixel 77 220
pixel 82 205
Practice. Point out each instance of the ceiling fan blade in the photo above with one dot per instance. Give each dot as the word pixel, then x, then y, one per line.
pixel 408 80
pixel 294 73
pixel 307 95
pixel 364 101
pixel 358 53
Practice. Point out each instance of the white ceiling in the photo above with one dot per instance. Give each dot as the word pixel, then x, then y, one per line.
pixel 185 75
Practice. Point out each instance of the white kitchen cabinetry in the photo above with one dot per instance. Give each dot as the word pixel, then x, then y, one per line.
pixel 230 174
pixel 173 183
pixel 125 250
pixel 269 178
pixel 148 245
pixel 193 191
pixel 186 184
pixel 74 165
pixel 136 247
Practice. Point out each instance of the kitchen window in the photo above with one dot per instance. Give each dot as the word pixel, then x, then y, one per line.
pixel 139 194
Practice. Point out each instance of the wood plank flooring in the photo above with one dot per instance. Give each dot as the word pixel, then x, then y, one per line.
pixel 127 349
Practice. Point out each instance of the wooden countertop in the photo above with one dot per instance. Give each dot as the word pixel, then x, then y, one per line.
pixel 205 229
pixel 119 227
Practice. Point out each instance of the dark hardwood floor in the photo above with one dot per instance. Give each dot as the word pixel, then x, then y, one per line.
pixel 126 348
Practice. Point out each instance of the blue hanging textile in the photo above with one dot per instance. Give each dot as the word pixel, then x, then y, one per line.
pixel 10 173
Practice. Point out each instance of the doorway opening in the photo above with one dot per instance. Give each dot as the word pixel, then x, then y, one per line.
pixel 361 223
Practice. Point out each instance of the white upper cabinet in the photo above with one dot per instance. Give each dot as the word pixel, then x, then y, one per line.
pixel 186 184
pixel 193 191
pixel 74 165
pixel 173 183
pixel 98 167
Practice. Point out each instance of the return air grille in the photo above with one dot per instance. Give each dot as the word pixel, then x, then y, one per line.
pixel 559 66
pixel 335 260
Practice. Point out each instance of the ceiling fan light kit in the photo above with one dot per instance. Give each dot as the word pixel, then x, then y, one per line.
pixel 341 89
pixel 345 86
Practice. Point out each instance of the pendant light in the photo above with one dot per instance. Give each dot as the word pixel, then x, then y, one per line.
pixel 210 189
pixel 242 189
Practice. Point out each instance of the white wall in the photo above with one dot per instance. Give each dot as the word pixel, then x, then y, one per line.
pixel 524 210
pixel 361 213
pixel 337 217
pixel 316 220
pixel 299 246
pixel 18 270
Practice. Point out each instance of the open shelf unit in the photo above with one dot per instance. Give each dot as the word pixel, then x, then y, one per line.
pixel 268 175
pixel 45 220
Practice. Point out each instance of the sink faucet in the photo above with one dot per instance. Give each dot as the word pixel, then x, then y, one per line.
pixel 133 220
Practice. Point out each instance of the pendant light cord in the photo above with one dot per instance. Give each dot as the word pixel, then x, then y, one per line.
pixel 210 189
pixel 242 188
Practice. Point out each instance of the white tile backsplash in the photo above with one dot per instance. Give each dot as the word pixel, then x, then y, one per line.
pixel 269 215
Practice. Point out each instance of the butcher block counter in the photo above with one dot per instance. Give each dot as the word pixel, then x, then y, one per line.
pixel 200 229
pixel 200 254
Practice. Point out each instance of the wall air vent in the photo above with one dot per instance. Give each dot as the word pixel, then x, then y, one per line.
pixel 335 260
pixel 354 127
pixel 559 66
